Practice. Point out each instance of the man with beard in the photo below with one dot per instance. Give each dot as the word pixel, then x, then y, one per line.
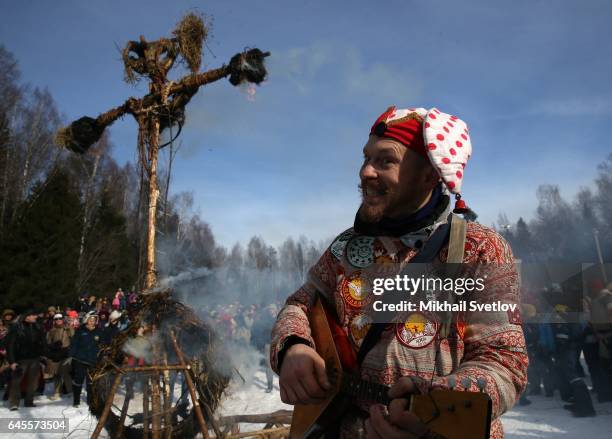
pixel 414 160
pixel 24 347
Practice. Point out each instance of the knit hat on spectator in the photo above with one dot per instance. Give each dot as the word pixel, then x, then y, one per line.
pixel 58 316
pixel 442 138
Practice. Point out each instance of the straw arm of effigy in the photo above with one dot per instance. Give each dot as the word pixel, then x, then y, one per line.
pixel 84 132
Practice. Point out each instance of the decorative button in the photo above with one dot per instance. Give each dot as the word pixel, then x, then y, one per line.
pixel 360 251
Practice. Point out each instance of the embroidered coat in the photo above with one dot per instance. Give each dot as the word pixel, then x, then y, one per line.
pixel 478 348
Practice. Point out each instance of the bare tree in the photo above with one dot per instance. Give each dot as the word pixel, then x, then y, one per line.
pixel 10 95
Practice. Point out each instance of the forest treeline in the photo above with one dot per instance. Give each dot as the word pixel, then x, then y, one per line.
pixel 75 223
pixel 563 231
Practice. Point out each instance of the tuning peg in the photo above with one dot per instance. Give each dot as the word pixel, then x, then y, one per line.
pixel 466 383
pixel 481 384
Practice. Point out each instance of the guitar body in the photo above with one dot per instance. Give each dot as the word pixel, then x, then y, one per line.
pixel 453 414
pixel 449 413
pixel 305 416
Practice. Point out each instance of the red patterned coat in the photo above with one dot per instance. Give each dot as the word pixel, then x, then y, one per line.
pixel 485 347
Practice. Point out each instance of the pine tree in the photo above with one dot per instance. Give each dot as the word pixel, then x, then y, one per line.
pixel 39 259
pixel 110 258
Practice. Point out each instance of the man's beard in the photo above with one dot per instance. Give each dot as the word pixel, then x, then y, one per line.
pixel 373 213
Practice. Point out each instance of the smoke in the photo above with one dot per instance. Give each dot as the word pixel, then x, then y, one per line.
pixel 184 276
pixel 250 91
pixel 141 347
pixel 244 361
pixel 222 286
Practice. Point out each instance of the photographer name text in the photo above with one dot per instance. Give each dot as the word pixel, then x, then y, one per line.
pixel 436 306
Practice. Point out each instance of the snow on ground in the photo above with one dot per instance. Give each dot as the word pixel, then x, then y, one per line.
pixel 544 418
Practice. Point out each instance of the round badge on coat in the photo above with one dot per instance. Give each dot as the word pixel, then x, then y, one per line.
pixel 353 291
pixel 417 331
pixel 337 247
pixel 360 251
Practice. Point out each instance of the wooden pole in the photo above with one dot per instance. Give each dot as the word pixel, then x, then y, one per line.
pixel 155 368
pixel 145 407
pixel 107 406
pixel 192 391
pixel 156 397
pixel 151 274
pixel 263 434
pixel 277 417
pixel 167 399
pixel 124 409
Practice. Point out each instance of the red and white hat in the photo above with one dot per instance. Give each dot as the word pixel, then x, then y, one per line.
pixel 443 138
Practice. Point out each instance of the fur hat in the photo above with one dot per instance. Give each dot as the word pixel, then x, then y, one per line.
pixel 8 311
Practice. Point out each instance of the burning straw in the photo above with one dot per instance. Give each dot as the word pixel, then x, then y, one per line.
pixel 162 317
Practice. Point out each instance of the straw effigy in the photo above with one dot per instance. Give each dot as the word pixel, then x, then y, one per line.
pixel 162 317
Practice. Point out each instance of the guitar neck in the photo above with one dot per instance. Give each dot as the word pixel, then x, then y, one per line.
pixel 356 387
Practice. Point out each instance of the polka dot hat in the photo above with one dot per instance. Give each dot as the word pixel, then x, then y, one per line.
pixel 443 138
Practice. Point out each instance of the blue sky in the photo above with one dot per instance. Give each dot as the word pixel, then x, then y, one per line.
pixel 531 79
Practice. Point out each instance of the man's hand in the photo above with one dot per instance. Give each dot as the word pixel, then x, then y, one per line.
pixel 399 422
pixel 14 366
pixel 303 379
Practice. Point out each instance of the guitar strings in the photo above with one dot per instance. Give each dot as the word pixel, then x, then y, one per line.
pixel 433 374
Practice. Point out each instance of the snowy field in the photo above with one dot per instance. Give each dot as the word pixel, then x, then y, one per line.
pixel 544 418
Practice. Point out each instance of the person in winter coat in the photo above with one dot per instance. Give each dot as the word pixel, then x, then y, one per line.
pixel 600 325
pixel 573 389
pixel 260 337
pixel 116 303
pixel 25 345
pixel 58 343
pixel 8 317
pixel 3 332
pixel 413 162
pixel 84 353
pixel 132 297
pixel 73 319
pixel 119 302
pixel 47 322
pixel 82 305
pixel 112 328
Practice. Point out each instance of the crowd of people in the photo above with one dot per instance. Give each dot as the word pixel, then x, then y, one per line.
pixel 60 346
pixel 246 325
pixel 561 327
